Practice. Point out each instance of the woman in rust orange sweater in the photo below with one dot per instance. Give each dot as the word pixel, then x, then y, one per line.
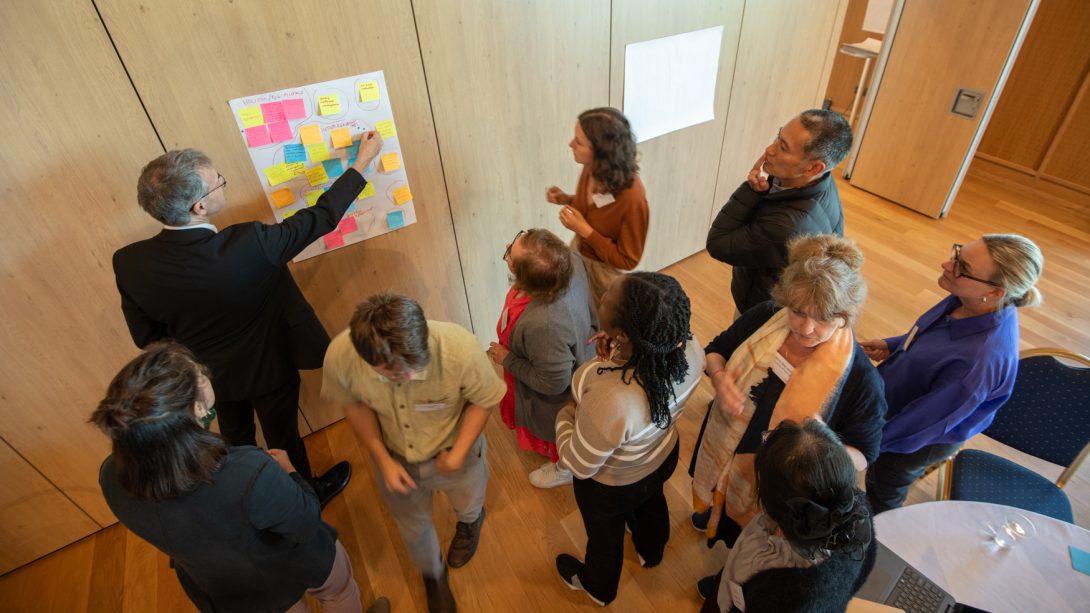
pixel 608 211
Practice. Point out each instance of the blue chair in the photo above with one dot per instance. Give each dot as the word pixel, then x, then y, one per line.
pixel 1048 417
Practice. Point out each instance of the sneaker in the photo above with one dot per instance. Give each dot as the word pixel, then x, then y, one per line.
pixel 569 567
pixel 708 587
pixel 700 520
pixel 550 475
pixel 440 598
pixel 465 541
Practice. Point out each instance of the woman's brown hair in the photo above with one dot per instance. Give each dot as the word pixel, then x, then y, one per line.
pixel 545 269
pixel 614 146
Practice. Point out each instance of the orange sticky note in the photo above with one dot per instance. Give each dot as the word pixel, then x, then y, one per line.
pixel 386 128
pixel 341 138
pixel 313 195
pixel 317 175
pixel 251 116
pixel 367 192
pixel 402 194
pixel 369 91
pixel 310 134
pixel 282 198
pixel 390 162
pixel 329 105
pixel 316 152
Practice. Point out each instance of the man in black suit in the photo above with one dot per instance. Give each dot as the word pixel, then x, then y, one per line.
pixel 228 295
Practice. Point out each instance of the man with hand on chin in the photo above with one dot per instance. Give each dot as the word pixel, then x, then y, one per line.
pixel 418 393
pixel 789 192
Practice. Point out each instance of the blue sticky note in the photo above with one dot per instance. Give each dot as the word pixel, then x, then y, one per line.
pixel 395 219
pixel 295 153
pixel 353 152
pixel 1080 560
pixel 333 167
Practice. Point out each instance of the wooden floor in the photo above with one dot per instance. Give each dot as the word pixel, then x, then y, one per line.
pixel 526 528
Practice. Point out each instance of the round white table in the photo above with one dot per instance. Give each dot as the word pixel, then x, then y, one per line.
pixel 948 541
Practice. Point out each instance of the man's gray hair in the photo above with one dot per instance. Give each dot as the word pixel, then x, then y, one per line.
pixel 830 136
pixel 169 185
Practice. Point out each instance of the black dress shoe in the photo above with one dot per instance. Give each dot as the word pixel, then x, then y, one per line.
pixel 332 482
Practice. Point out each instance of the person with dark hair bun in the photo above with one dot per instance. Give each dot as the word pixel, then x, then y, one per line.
pixel 812 545
pixel 541 339
pixel 619 437
pixel 241 526
pixel 608 211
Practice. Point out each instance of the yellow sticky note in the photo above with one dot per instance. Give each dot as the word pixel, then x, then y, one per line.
pixel 312 196
pixel 316 175
pixel 289 214
pixel 386 128
pixel 329 105
pixel 390 162
pixel 277 174
pixel 251 116
pixel 367 192
pixel 296 168
pixel 310 134
pixel 341 138
pixel 282 198
pixel 402 194
pixel 316 152
pixel 369 91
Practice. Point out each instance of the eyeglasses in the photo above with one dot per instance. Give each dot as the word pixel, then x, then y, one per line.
pixel 959 266
pixel 220 182
pixel 507 253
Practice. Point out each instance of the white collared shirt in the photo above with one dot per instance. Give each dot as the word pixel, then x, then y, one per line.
pixel 191 227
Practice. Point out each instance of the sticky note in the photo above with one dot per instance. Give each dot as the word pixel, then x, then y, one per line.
pixel 333 168
pixel 277 174
pixel 294 108
pixel 296 168
pixel 402 194
pixel 369 91
pixel 390 162
pixel 1080 560
pixel 257 136
pixel 316 175
pixel 386 128
pixel 273 112
pixel 368 191
pixel 310 134
pixel 290 213
pixel 313 195
pixel 347 225
pixel 395 219
pixel 317 152
pixel 341 138
pixel 280 132
pixel 329 105
pixel 353 152
pixel 282 198
pixel 295 153
pixel 333 240
pixel 251 116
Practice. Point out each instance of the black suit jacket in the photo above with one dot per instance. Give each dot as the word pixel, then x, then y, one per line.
pixel 229 295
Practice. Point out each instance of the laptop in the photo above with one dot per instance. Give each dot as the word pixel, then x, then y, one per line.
pixel 895 583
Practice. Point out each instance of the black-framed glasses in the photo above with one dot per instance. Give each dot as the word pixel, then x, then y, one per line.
pixel 959 266
pixel 221 182
pixel 507 253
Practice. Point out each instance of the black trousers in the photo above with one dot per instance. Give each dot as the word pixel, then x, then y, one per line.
pixel 890 476
pixel 278 413
pixel 605 509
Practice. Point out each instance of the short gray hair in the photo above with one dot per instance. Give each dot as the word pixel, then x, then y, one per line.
pixel 822 278
pixel 830 136
pixel 169 185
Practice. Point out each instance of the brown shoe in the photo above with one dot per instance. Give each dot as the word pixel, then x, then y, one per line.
pixel 440 598
pixel 464 543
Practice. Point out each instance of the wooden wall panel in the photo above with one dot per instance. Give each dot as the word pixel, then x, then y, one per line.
pixel 507 81
pixel 844 77
pixel 1069 160
pixel 784 60
pixel 1053 62
pixel 679 168
pixel 75 140
pixel 188 62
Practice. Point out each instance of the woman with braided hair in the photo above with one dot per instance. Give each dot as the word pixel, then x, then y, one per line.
pixel 811 546
pixel 618 437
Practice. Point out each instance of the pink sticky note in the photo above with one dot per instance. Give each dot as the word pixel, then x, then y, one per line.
pixel 280 132
pixel 257 136
pixel 294 108
pixel 333 240
pixel 347 225
pixel 273 112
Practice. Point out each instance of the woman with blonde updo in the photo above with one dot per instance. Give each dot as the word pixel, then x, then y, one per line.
pixel 791 359
pixel 947 376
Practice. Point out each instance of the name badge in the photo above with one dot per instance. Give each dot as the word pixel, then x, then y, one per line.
pixel 782 368
pixel 911 337
pixel 430 407
pixel 601 200
pixel 736 597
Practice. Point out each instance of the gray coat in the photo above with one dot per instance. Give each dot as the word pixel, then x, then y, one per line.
pixel 548 343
